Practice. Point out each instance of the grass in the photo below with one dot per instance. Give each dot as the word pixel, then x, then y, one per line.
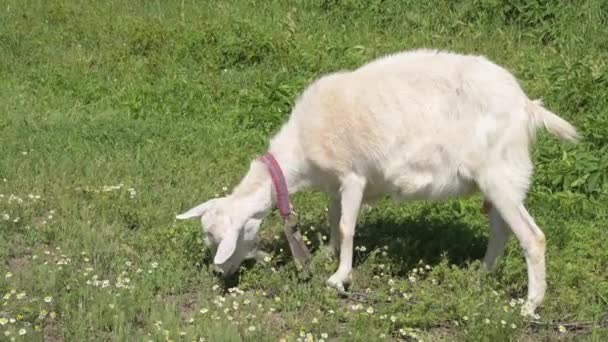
pixel 116 115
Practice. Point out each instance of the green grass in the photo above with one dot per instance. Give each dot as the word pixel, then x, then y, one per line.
pixel 174 98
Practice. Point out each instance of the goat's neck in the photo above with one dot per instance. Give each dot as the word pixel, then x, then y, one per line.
pixel 255 195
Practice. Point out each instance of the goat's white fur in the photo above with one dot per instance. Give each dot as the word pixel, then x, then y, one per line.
pixel 423 124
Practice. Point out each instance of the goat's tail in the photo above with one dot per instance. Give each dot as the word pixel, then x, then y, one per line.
pixel 557 126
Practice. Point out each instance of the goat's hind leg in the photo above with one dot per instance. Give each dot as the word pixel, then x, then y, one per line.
pixel 499 235
pixel 507 202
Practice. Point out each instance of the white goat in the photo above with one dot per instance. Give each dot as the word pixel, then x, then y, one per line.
pixel 416 125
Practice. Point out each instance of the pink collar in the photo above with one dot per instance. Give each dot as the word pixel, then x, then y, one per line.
pixel 280 186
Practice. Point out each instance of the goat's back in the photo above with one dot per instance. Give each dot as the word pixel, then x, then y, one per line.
pixel 408 106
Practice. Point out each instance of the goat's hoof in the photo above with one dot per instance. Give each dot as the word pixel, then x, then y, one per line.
pixel 338 281
pixel 527 310
pixel 335 283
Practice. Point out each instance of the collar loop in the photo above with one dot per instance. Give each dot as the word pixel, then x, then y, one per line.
pixel 280 186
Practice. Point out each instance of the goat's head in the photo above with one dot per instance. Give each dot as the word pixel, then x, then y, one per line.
pixel 230 235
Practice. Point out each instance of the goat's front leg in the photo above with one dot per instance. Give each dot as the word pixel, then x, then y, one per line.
pixel 351 196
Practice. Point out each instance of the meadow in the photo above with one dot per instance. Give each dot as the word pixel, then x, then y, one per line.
pixel 117 115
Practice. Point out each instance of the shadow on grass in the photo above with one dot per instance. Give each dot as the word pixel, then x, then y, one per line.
pixel 424 238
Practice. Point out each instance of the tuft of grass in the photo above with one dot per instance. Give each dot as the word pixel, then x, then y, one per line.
pixel 114 116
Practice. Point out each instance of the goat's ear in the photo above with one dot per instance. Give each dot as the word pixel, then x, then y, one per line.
pixel 226 247
pixel 197 211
